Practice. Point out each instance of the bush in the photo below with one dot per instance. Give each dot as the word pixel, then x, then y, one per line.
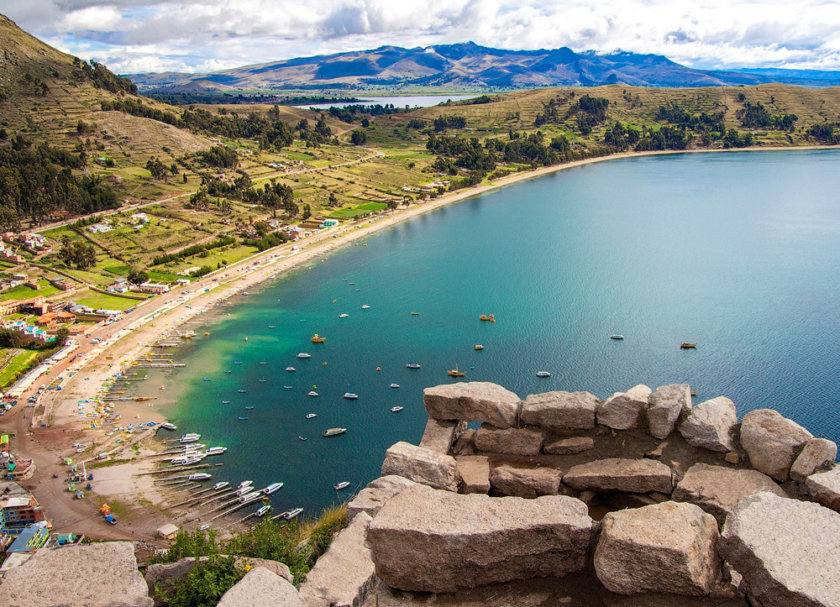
pixel 206 583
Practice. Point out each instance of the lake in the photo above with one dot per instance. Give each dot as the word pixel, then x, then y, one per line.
pixel 411 101
pixel 737 252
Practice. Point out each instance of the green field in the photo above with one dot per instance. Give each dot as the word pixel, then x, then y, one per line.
pixel 106 302
pixel 24 292
pixel 359 210
pixel 15 363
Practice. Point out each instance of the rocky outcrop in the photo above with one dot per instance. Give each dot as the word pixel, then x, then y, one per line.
pixel 525 482
pixel 560 410
pixel 569 446
pixel 344 575
pixel 624 410
pixel 512 441
pixel 717 489
pixel 818 453
pixel 261 588
pixel 435 541
pixel 668 548
pixel 620 474
pixel 421 465
pixel 824 487
pixel 665 406
pixel 772 441
pixel 473 402
pixel 787 551
pixel 711 425
pixel 474 471
pixel 378 491
pixel 440 435
pixel 94 575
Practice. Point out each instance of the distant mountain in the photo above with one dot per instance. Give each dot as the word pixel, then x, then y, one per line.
pixel 473 66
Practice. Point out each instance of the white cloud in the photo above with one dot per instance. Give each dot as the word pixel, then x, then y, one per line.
pixel 195 34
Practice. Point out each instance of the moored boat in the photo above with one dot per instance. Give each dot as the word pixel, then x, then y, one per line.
pixel 455 372
pixel 617 336
pixel 244 484
pixel 341 485
pixel 225 402
pixel 302 438
pixel 272 488
pixel 412 366
pixel 221 485
pixel 304 355
pixel 248 497
pixel 396 409
pixel 216 450
pixel 487 317
pixel 688 346
pixel 394 386
pixel 317 339
pixel 242 418
pixel 168 426
pixel 263 510
pixel 311 415
pixel 334 431
pixel 242 390
pixel 312 393
pixel 543 374
pixel 478 347
pixel 199 476
pixel 350 396
pixel 292 513
pixel 365 307
pixel 290 370
pixel 343 315
pixel 190 437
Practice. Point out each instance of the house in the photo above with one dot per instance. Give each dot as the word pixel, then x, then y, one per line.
pixel 47 320
pixel 151 287
pixel 99 228
pixel 30 539
pixel 117 287
pixel 182 282
pixel 8 254
pixel 34 242
pixel 19 509
pixel 65 317
pixel 168 531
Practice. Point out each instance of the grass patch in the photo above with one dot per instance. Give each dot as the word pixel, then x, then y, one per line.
pixel 107 302
pixel 24 292
pixel 15 363
pixel 106 463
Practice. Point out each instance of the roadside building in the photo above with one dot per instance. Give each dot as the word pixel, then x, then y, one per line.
pixel 168 531
pixel 151 287
pixel 30 539
pixel 20 512
pixel 47 320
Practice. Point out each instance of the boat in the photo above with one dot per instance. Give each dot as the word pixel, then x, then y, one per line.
pixel 207 334
pixel 486 317
pixel 225 402
pixel 290 370
pixel 617 337
pixel 412 366
pixel 168 426
pixel 272 326
pixel 365 307
pixel 263 510
pixel 350 396
pixel 455 372
pixel 241 418
pixel 341 485
pixel 543 374
pixel 287 387
pixel 272 488
pixel 237 362
pixel 249 497
pixel 687 346
pixel 191 437
pixel 311 415
pixel 343 315
pixel 317 339
pixel 249 407
pixel 478 347
pixel 304 355
pixel 292 513
pixel 312 393
pixel 199 476
pixel 221 485
pixel 262 362
pixel 334 431
pixel 396 409
pixel 302 437
pixel 415 313
pixel 205 379
pixel 244 484
pixel 216 450
pixel 261 380
pixel 394 386
pixel 694 392
pixel 228 371
pixel 242 390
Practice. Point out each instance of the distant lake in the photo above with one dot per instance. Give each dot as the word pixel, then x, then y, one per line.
pixel 737 252
pixel 400 102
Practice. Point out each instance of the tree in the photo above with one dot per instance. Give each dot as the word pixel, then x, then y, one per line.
pixel 358 138
pixel 137 277
pixel 307 212
pixel 61 336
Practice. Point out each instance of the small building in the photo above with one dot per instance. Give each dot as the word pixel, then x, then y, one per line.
pixel 329 223
pixel 30 539
pixel 151 287
pixel 21 511
pixel 182 282
pixel 47 320
pixel 118 287
pixel 168 531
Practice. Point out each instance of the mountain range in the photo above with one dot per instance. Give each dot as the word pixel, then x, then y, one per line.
pixel 472 66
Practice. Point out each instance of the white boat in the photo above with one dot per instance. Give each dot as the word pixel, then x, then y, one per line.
pixel 215 450
pixel 189 438
pixel 543 374
pixel 365 307
pixel 412 366
pixel 219 486
pixel 395 386
pixel 617 337
pixel 272 488
pixel 350 396
pixel 263 510
pixel 304 355
pixel 244 484
pixel 341 485
pixel 343 315
pixel 200 476
pixel 204 527
pixel 188 459
pixel 249 497
pixel 290 369
pixel 194 447
pixel 312 393
pixel 291 514
pixel 168 426
pixel 311 415
pixel 396 409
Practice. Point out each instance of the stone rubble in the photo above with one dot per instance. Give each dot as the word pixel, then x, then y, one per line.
pixel 711 425
pixel 772 442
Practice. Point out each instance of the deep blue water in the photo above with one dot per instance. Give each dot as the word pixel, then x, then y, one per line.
pixel 737 252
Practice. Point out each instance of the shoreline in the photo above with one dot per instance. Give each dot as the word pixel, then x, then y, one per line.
pixel 202 301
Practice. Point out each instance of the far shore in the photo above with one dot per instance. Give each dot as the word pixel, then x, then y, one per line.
pixel 128 339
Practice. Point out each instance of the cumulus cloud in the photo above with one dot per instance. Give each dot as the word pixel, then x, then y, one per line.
pixel 196 35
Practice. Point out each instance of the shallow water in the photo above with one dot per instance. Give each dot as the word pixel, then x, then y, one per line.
pixel 737 252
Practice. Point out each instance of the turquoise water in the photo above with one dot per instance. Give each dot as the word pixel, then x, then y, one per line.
pixel 737 252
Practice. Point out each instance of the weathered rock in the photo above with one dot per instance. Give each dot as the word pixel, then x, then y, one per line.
pixel 473 402
pixel 344 575
pixel 824 487
pixel 513 441
pixel 95 575
pixel 261 588
pixel 772 441
pixel 711 424
pixel 464 444
pixel 439 435
pixel 658 451
pixel 525 482
pixel 620 474
pixel 421 465
pixel 818 453
pixel 666 547
pixel 569 446
pixel 665 406
pixel 436 541
pixel 717 489
pixel 474 471
pixel 732 457
pixel 788 551
pixel 378 491
pixel 624 410
pixel 560 410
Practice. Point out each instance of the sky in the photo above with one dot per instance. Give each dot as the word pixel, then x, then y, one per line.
pixel 132 36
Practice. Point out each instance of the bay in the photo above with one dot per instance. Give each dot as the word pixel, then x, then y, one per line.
pixel 410 101
pixel 737 252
